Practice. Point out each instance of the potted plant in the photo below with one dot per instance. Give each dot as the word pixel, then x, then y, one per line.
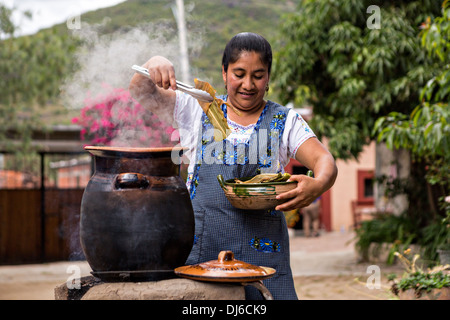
pixel 416 283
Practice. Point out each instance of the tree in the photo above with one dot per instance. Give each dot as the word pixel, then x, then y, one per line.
pixel 350 72
pixel 426 130
pixel 353 73
pixel 31 68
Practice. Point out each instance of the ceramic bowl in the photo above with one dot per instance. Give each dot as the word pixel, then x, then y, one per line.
pixel 254 196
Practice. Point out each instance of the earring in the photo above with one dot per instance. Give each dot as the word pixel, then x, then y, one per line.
pixel 267 88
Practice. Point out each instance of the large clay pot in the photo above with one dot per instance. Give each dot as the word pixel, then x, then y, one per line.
pixel 137 221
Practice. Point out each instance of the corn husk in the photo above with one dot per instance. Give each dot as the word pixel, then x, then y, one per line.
pixel 214 112
pixel 266 177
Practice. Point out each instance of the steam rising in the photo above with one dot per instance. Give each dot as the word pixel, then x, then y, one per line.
pixel 104 66
pixel 104 61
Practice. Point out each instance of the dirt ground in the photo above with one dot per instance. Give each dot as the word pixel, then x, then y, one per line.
pixel 340 287
pixel 324 268
pixel 329 287
pixel 328 268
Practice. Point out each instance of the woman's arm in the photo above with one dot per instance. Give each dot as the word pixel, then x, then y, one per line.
pixel 312 154
pixel 156 94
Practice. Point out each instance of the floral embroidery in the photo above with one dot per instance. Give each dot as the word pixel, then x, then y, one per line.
pixel 278 121
pixel 264 245
pixel 193 186
pixel 206 138
pixel 241 156
pixel 240 134
pixel 265 161
pixel 303 122
pixel 307 128
pixel 233 154
pixel 207 123
pixel 236 147
pixel 276 131
pixel 239 140
pixel 230 156
pixel 219 155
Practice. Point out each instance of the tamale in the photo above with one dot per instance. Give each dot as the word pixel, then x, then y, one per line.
pixel 266 177
pixel 214 112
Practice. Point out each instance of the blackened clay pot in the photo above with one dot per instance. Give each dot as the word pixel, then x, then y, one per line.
pixel 137 221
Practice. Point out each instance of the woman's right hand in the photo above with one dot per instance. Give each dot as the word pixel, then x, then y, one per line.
pixel 161 72
pixel 153 94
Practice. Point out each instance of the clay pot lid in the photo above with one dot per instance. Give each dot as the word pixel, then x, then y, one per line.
pixel 129 152
pixel 225 269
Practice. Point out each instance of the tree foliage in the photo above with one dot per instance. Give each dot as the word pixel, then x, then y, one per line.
pixel 31 68
pixel 352 73
pixel 426 130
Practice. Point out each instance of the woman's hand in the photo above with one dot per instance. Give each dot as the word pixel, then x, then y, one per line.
pixel 308 189
pixel 161 72
pixel 153 94
pixel 312 154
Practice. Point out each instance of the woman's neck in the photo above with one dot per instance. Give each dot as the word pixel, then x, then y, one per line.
pixel 246 117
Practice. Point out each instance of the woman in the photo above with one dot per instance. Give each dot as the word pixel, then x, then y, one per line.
pixel 264 136
pixel 311 216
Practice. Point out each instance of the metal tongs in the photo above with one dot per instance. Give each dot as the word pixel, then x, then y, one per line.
pixel 196 93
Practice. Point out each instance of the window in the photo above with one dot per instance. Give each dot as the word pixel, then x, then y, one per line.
pixel 365 186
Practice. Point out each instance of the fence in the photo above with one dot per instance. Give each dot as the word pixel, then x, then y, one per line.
pixel 28 235
pixel 39 221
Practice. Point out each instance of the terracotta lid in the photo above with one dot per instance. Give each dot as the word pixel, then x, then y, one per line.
pixel 127 152
pixel 225 269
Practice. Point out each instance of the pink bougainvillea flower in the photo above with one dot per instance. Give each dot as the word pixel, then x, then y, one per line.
pixel 117 118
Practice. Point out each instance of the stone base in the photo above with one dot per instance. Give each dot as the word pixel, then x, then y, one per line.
pixel 173 289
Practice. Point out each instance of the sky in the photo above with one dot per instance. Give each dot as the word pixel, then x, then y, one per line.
pixel 47 13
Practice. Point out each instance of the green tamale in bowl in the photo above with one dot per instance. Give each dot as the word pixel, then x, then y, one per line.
pixel 254 196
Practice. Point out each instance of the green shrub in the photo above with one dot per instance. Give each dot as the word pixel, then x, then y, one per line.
pixel 385 228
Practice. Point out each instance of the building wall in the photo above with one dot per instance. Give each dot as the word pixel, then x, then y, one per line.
pixel 74 177
pixel 10 179
pixel 345 189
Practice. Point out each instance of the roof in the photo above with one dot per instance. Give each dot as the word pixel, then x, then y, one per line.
pixel 55 139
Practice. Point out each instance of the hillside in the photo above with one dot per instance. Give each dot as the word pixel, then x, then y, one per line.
pixel 211 22
pixel 216 20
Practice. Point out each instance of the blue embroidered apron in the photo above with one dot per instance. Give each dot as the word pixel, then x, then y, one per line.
pixel 258 237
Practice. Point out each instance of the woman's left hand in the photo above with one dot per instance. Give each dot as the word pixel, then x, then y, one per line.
pixel 305 193
pixel 313 155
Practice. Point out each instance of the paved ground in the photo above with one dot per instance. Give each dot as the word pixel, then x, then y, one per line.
pixel 330 253
pixel 324 267
pixel 328 268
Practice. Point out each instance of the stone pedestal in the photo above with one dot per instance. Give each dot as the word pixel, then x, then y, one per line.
pixel 172 289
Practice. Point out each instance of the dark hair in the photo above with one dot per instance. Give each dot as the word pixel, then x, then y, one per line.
pixel 247 41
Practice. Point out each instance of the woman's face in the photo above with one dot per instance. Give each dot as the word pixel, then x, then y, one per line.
pixel 246 81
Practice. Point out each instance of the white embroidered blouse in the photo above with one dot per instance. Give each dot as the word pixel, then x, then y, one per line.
pixel 188 114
